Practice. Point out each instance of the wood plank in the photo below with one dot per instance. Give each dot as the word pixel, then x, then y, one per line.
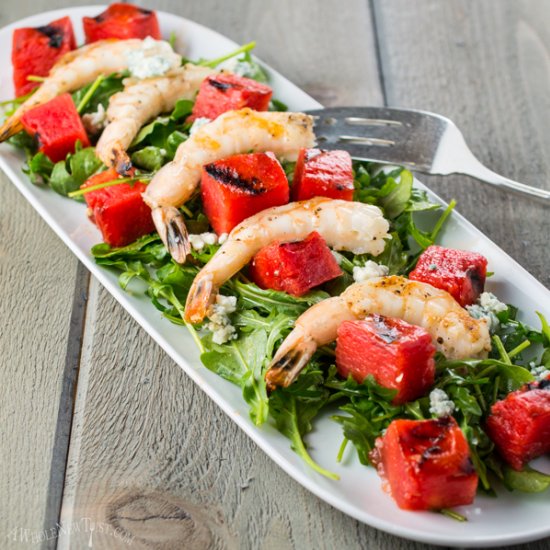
pixel 150 454
pixel 42 300
pixel 485 65
pixel 40 347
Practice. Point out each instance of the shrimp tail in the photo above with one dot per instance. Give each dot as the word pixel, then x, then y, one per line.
pixel 172 231
pixel 200 296
pixel 289 361
pixel 9 129
pixel 121 161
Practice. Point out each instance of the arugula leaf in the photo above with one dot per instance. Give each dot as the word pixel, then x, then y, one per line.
pixel 148 249
pixel 106 88
pixel 165 132
pixel 526 480
pixel 545 327
pixel 369 411
pixel 69 174
pixel 241 362
pixel 182 109
pixel 149 158
pixel 155 133
pixel 252 296
pixel 396 194
pixel 393 256
pixel 174 140
pixel 294 408
pixel 276 105
pixel 39 168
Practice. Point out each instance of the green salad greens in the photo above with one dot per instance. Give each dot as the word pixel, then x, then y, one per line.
pixel 263 318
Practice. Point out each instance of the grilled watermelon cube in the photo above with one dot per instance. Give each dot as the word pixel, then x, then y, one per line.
pixel 519 425
pixel 426 463
pixel 57 127
pixel 226 92
pixel 121 21
pixel 237 187
pixel 323 174
pixel 460 272
pixel 400 356
pixel 295 267
pixel 118 211
pixel 36 50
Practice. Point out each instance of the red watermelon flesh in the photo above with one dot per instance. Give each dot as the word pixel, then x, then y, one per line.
pixel 296 267
pixel 36 50
pixel 227 92
pixel 118 210
pixel 122 21
pixel 519 425
pixel 57 127
pixel 460 272
pixel 426 463
pixel 400 356
pixel 323 174
pixel 237 187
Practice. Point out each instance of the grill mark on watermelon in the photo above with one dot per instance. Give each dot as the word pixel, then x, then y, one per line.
pixel 476 279
pixel 467 467
pixel 429 453
pixel 543 384
pixel 310 154
pixel 228 176
pixel 222 86
pixel 55 35
pixel 384 331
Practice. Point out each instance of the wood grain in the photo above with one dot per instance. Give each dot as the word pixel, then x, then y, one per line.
pixel 39 341
pixel 485 65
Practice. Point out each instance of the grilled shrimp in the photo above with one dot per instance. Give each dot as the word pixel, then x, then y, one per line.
pixel 140 102
pixel 453 331
pixel 232 133
pixel 345 225
pixel 80 67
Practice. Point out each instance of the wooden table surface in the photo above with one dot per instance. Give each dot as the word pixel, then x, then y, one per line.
pixel 97 422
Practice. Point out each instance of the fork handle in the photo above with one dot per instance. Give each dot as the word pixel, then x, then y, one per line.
pixel 482 173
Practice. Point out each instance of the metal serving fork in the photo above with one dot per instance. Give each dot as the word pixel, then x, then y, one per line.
pixel 418 140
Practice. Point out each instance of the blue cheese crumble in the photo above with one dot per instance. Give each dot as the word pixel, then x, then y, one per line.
pixel 220 325
pixel 487 307
pixel 198 124
pixel 154 58
pixel 540 372
pixel 200 240
pixel 369 271
pixel 440 403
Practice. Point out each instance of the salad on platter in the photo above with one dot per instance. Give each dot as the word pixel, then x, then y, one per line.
pixel 311 281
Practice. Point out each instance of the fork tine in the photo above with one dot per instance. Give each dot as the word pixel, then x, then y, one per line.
pixel 367 140
pixel 418 140
pixel 354 120
pixel 391 136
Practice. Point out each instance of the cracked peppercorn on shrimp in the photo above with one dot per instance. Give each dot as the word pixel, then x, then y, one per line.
pixel 140 102
pixel 80 67
pixel 232 133
pixel 453 331
pixel 354 226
